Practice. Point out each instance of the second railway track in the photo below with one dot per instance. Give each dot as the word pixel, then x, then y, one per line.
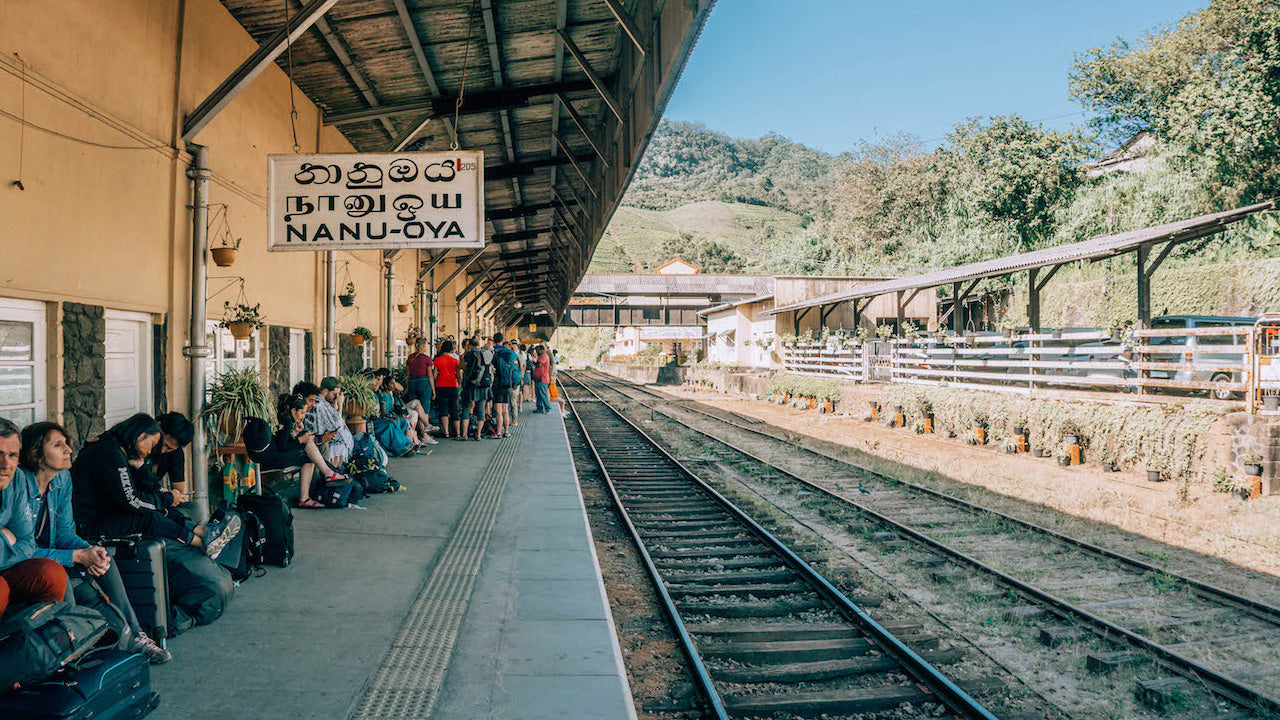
pixel 764 633
pixel 1217 639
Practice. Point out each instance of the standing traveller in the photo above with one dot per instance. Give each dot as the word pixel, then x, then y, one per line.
pixel 418 369
pixel 517 392
pixel 24 580
pixel 506 365
pixel 444 377
pixel 553 390
pixel 477 381
pixel 530 359
pixel 542 379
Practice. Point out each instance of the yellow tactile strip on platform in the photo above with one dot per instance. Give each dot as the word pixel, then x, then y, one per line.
pixel 408 681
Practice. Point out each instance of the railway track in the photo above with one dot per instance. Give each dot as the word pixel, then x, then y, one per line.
pixel 1207 636
pixel 763 632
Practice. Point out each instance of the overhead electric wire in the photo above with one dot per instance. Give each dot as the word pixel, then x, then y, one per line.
pixel 82 141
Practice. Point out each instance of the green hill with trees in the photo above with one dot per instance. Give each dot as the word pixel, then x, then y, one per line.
pixel 1206 88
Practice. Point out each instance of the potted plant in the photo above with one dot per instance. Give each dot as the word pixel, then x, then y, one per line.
pixel 1252 465
pixel 224 255
pixel 402 307
pixel 242 320
pixel 348 296
pixel 1155 470
pixel 359 402
pixel 235 396
pixel 361 335
pixel 412 334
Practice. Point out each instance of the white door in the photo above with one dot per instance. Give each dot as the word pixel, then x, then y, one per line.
pixel 22 361
pixel 297 357
pixel 128 350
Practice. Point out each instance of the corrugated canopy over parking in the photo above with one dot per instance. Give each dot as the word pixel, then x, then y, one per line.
pixel 561 95
pixel 1092 249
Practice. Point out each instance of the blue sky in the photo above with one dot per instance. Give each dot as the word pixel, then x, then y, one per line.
pixel 831 73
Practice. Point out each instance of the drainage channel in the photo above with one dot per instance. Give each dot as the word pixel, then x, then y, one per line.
pixel 763 632
pixel 1197 631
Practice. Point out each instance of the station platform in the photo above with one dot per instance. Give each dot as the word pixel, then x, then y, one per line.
pixel 475 594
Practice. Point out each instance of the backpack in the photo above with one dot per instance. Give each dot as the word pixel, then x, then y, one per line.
pixel 39 640
pixel 232 556
pixel 366 445
pixel 390 435
pixel 369 473
pixel 509 367
pixel 276 520
pixel 480 369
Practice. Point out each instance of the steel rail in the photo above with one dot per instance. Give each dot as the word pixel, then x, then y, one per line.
pixel 955 698
pixel 1259 609
pixel 1247 697
pixel 700 673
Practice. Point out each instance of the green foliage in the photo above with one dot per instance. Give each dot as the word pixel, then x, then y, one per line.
pixel 583 346
pixel 708 255
pixel 1165 437
pixel 1210 84
pixel 235 396
pixel 363 332
pixel 241 314
pixel 805 386
pixel 356 388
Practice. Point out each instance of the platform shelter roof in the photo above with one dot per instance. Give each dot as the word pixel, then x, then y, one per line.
pixel 561 95
pixel 1096 248
pixel 718 286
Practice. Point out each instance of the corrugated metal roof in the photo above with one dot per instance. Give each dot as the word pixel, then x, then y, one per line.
pixel 736 303
pixel 1098 247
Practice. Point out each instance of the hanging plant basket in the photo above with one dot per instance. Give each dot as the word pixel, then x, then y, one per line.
pixel 241 330
pixel 402 307
pixel 223 256
pixel 357 340
pixel 347 300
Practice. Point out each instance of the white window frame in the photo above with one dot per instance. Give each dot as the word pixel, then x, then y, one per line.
pixel 366 354
pixel 35 313
pixel 221 340
pixel 298 337
pixel 402 352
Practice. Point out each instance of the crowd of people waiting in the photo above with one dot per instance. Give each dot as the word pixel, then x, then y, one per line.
pixel 59 508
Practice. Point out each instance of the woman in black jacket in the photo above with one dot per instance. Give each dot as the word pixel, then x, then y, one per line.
pixel 108 478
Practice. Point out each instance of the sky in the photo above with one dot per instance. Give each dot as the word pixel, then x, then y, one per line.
pixel 832 73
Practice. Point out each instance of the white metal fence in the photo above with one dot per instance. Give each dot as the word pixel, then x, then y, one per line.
pixel 1220 363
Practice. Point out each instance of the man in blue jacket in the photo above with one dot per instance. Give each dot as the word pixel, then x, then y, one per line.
pixel 24 580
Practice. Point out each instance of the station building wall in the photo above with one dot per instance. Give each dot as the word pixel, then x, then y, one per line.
pixel 96 242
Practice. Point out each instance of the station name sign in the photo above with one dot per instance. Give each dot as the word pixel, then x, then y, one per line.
pixel 365 201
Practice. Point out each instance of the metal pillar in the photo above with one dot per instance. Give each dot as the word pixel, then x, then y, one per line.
pixel 196 349
pixel 330 350
pixel 388 327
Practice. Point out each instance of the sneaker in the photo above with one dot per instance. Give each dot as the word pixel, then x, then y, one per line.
pixel 217 536
pixel 156 655
pixel 428 440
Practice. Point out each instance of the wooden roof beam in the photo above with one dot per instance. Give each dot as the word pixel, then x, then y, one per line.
pixel 628 25
pixel 595 79
pixel 522 169
pixel 406 21
pixel 474 102
pixel 344 57
pixel 582 126
pixel 240 78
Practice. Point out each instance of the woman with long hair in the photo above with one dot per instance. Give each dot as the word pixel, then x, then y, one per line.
pixel 44 469
pixel 295 446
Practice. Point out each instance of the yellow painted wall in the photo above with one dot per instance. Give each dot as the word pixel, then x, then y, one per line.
pixel 111 226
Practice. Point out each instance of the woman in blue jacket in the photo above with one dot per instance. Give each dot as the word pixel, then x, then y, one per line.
pixel 44 470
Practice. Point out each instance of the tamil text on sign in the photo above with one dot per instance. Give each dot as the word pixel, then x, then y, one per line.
pixel 368 201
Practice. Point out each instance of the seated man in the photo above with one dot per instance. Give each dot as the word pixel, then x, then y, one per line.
pixel 24 580
pixel 324 419
pixel 45 474
pixel 168 461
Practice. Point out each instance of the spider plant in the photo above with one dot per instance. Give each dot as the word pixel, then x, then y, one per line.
pixel 360 399
pixel 235 396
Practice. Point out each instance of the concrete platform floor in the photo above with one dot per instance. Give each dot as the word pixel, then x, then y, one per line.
pixel 536 640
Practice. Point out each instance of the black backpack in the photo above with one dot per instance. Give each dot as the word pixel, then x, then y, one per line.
pixel 276 520
pixel 480 369
pixel 41 639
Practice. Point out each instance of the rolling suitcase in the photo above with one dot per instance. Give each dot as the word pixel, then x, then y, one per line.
pixel 145 573
pixel 105 685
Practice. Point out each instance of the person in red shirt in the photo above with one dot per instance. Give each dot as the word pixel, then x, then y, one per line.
pixel 542 380
pixel 444 376
pixel 419 371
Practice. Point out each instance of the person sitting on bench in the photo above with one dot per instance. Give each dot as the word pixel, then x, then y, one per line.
pixel 24 580
pixel 168 460
pixel 326 417
pixel 108 480
pixel 293 445
pixel 44 471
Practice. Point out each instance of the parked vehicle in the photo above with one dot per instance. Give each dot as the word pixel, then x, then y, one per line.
pixel 1198 349
pixel 1103 351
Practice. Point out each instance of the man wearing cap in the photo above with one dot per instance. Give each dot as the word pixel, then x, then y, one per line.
pixel 327 418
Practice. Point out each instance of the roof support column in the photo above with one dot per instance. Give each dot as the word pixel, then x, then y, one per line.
pixel 196 349
pixel 1145 271
pixel 957 325
pixel 1033 300
pixel 388 327
pixel 902 313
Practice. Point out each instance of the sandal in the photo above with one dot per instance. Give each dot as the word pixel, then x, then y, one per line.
pixel 310 504
pixel 336 477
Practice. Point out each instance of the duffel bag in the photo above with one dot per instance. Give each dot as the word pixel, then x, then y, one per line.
pixel 40 640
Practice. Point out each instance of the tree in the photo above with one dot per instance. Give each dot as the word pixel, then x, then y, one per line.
pixel 1210 83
